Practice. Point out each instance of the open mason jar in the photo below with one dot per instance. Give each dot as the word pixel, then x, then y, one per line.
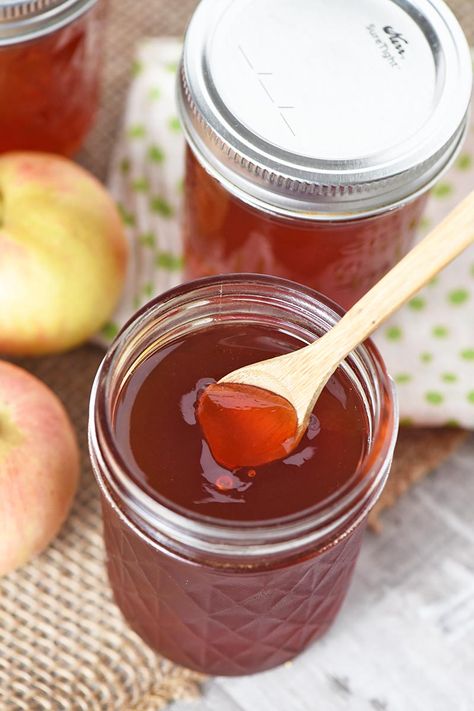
pixel 314 131
pixel 230 595
pixel 50 60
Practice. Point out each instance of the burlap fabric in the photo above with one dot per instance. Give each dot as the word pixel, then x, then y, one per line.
pixel 63 644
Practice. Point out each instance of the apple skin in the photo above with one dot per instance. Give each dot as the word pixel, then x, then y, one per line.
pixel 39 466
pixel 63 254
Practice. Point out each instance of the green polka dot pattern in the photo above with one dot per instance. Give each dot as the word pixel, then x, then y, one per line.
pixel 110 330
pixel 417 304
pixel 141 185
pixel 440 331
pixel 154 93
pixel 428 345
pixel 458 296
pixel 137 131
pixel 137 67
pixel 464 162
pixel 160 205
pixel 442 190
pixel 449 377
pixel 174 124
pixel 147 240
pixel 434 398
pixel 155 154
pixel 394 333
pixel 402 378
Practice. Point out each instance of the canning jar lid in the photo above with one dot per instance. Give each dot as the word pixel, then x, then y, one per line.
pixel 22 20
pixel 325 109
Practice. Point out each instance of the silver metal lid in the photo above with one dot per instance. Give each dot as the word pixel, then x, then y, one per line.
pixel 325 109
pixel 22 20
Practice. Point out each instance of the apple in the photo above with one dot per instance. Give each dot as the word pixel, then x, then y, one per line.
pixel 63 254
pixel 39 466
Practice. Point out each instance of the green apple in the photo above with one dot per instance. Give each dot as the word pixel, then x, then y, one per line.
pixel 63 254
pixel 39 466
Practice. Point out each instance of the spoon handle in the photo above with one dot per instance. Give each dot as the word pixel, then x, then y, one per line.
pixel 420 265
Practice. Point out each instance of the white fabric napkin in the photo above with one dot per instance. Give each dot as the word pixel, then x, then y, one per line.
pixel 428 345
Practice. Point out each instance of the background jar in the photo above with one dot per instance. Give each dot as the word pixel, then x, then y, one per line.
pixel 50 59
pixel 213 595
pixel 314 132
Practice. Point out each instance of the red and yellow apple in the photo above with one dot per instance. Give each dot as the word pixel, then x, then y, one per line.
pixel 63 254
pixel 39 466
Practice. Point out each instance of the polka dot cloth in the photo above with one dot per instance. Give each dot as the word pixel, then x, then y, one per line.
pixel 146 179
pixel 428 345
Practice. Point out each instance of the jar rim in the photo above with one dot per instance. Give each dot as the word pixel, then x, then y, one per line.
pixel 23 20
pixel 338 213
pixel 190 529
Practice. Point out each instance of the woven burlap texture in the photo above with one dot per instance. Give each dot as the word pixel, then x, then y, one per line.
pixel 63 644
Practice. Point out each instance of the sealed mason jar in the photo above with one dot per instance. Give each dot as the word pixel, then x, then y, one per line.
pixel 314 131
pixel 239 591
pixel 50 60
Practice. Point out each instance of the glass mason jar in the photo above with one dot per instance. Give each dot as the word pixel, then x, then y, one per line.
pixel 50 60
pixel 213 595
pixel 314 131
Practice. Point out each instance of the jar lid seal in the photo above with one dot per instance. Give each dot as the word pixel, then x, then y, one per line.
pixel 22 20
pixel 324 109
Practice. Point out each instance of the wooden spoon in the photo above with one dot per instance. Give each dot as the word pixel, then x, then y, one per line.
pixel 265 407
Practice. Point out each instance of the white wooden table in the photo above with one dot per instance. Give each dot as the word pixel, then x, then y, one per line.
pixel 405 638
